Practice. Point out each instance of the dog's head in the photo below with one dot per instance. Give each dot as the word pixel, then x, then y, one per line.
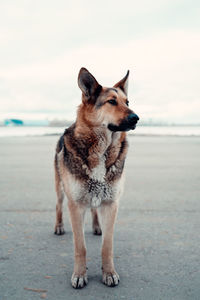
pixel 106 106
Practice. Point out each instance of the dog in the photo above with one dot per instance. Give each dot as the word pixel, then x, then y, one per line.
pixel 89 164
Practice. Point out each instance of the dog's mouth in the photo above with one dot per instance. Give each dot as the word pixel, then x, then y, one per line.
pixel 127 124
pixel 121 127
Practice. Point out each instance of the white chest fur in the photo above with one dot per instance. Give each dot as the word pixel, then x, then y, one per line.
pixel 98 173
pixel 96 189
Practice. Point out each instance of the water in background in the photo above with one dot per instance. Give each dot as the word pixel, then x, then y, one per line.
pixel 18 131
pixel 168 130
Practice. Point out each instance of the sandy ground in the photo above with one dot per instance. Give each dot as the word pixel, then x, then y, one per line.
pixel 157 236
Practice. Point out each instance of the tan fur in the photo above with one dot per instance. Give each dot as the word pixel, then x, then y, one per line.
pixel 89 166
pixel 59 229
pixel 77 213
pixel 95 222
pixel 108 215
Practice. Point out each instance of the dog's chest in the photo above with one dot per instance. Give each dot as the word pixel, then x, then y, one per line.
pixel 100 183
pixel 96 189
pixel 99 172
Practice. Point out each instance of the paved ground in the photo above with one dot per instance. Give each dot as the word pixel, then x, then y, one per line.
pixel 157 237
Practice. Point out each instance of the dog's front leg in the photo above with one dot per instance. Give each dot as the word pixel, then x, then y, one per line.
pixel 79 276
pixel 108 214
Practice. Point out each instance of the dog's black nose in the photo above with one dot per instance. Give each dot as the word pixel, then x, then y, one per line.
pixel 133 118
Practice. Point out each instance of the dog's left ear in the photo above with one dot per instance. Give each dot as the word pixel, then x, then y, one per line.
pixel 123 84
pixel 88 85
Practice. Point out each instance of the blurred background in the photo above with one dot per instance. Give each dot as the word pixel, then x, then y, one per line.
pixel 45 43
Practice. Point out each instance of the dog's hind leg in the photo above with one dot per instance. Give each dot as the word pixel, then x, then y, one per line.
pixel 108 214
pixel 59 228
pixel 95 222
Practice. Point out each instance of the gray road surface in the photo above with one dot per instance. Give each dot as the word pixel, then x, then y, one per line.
pixel 157 236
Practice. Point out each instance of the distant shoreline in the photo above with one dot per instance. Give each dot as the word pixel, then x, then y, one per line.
pixel 22 131
pixel 67 124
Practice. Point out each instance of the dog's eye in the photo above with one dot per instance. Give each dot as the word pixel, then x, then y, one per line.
pixel 112 101
pixel 127 102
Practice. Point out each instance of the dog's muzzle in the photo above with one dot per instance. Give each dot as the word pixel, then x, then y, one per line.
pixel 129 123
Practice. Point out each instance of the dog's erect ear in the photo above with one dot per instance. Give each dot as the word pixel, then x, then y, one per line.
pixel 88 85
pixel 123 84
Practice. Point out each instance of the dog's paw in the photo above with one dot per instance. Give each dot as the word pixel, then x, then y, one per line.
pixel 97 230
pixel 59 229
pixel 110 279
pixel 79 281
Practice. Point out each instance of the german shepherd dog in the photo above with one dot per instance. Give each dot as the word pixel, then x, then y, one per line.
pixel 89 165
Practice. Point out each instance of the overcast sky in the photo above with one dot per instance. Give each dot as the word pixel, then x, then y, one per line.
pixel 43 44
